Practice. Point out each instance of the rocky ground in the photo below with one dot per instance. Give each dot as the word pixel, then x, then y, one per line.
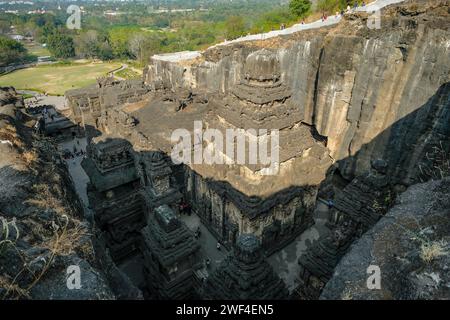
pixel 410 245
pixel 41 228
pixel 41 232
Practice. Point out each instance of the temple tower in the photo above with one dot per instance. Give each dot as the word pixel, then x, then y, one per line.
pixel 360 205
pixel 171 254
pixel 245 275
pixel 114 194
pixel 155 175
pixel 261 114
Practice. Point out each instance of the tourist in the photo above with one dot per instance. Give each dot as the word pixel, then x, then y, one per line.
pixel 180 208
pixel 188 209
pixel 197 233
pixel 185 208
pixel 330 203
pixel 218 246
pixel 348 8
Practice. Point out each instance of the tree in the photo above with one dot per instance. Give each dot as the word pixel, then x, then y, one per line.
pixel 118 39
pixel 161 22
pixel 235 27
pixel 300 8
pixel 137 45
pixel 61 45
pixel 4 27
pixel 104 51
pixel 11 51
pixel 328 5
pixel 87 44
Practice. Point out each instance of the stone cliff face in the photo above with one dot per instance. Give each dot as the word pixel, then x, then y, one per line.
pixel 41 232
pixel 410 245
pixel 372 92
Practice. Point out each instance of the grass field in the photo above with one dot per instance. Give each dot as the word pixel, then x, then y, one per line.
pixel 128 74
pixel 56 79
pixel 37 50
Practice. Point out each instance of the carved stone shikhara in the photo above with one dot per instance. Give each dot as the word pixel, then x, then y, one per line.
pixel 171 254
pixel 245 275
pixel 358 208
pixel 114 194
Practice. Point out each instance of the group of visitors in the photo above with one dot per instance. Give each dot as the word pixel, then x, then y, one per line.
pixel 355 6
pixel 35 100
pixel 197 233
pixel 338 13
pixel 72 155
pixel 75 153
pixel 185 208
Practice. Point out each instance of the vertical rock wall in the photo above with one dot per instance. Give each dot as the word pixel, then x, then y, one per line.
pixel 363 89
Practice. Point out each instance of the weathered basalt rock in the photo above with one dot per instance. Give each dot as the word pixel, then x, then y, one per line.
pixel 360 205
pixel 245 275
pixel 171 254
pixel 410 245
pixel 41 232
pixel 114 194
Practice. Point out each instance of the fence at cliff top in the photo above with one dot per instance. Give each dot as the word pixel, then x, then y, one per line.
pixel 332 20
pixel 177 56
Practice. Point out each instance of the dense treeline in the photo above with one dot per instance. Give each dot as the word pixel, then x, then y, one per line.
pixel 11 51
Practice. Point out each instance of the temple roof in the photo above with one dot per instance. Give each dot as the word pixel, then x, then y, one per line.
pixel 262 65
pixel 168 238
pixel 322 257
pixel 366 197
pixel 111 179
pixel 245 274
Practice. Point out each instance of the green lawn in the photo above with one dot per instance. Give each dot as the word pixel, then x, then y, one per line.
pixel 37 50
pixel 56 80
pixel 128 74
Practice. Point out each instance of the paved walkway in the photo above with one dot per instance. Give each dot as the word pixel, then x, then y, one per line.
pixel 207 241
pixel 285 261
pixel 332 20
pixel 114 72
pixel 38 99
